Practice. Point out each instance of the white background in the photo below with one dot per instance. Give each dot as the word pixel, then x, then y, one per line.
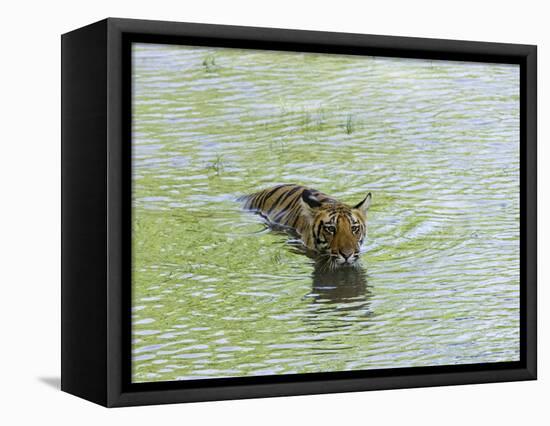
pixel 30 211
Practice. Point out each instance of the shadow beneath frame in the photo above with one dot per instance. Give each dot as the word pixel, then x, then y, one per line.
pixel 53 382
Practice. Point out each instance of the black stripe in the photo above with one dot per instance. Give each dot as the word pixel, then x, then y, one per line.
pixel 250 201
pixel 288 210
pixel 279 216
pixel 349 216
pixel 282 198
pixel 264 195
pixel 316 234
pixel 296 216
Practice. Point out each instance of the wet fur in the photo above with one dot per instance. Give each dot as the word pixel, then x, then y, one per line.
pixel 332 230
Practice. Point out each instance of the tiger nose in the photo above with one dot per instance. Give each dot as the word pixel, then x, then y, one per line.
pixel 346 254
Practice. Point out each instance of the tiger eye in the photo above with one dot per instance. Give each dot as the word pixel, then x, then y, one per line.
pixel 330 228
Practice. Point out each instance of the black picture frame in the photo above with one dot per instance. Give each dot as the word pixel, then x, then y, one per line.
pixel 96 212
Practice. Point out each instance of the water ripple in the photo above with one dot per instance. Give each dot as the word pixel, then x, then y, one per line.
pixel 217 295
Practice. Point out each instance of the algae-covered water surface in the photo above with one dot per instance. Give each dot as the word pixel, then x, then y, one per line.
pixel 216 294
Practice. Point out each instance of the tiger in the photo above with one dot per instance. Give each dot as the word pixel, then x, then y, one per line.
pixel 333 230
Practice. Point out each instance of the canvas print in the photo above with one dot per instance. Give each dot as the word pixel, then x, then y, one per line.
pixel 298 213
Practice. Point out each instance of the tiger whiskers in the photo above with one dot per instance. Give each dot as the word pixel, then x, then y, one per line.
pixel 325 263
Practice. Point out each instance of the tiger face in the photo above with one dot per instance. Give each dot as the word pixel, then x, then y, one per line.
pixel 337 230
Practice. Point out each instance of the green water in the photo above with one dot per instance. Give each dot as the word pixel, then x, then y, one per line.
pixel 216 295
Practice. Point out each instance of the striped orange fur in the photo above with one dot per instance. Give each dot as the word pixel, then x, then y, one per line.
pixel 325 225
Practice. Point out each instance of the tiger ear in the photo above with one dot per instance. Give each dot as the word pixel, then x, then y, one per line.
pixel 365 204
pixel 310 200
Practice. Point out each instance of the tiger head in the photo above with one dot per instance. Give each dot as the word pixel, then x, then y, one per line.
pixel 337 230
